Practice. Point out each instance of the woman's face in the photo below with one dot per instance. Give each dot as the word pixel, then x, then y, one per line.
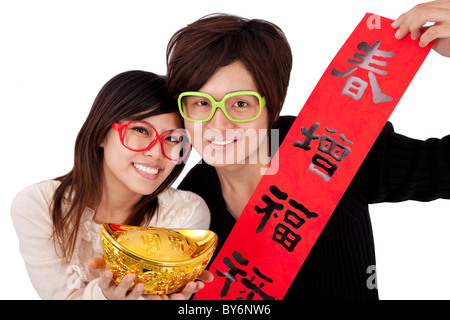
pixel 220 141
pixel 138 172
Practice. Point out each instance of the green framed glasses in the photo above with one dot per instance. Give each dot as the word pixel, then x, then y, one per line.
pixel 239 106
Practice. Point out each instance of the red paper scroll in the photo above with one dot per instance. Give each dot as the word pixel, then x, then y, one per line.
pixel 317 161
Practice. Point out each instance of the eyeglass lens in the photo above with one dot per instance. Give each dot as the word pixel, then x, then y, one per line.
pixel 239 107
pixel 138 136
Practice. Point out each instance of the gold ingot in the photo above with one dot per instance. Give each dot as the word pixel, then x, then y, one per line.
pixel 164 260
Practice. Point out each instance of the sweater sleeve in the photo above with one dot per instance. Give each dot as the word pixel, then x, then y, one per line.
pixel 29 213
pixel 47 270
pixel 399 168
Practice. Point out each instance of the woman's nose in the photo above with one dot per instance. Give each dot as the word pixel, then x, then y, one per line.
pixel 155 151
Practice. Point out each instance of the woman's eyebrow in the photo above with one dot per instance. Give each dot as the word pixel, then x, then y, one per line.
pixel 142 120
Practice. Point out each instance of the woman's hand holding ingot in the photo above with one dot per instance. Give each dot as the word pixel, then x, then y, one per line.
pixel 121 291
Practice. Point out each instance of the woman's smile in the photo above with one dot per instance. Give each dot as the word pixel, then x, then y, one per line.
pixel 147 171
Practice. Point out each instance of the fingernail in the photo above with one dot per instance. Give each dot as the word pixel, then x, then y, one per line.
pixel 397 34
pixel 394 24
pixel 129 278
pixel 140 287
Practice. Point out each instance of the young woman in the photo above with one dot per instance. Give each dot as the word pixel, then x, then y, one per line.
pixel 127 154
pixel 245 70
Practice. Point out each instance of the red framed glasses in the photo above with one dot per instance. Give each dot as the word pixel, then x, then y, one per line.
pixel 140 136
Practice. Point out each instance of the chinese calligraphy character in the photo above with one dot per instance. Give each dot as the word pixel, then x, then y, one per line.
pixel 283 234
pixel 320 165
pixel 151 240
pixel 176 242
pixel 354 86
pixel 234 271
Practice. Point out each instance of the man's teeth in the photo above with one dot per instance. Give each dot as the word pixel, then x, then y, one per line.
pixel 145 169
pixel 222 143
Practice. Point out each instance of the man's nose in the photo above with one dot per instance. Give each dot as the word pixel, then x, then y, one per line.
pixel 220 121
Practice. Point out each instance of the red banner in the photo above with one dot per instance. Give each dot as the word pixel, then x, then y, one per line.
pixel 317 161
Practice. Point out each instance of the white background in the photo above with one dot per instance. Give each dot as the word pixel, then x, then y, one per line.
pixel 56 55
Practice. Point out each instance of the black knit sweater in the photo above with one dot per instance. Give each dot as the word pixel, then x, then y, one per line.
pixel 396 169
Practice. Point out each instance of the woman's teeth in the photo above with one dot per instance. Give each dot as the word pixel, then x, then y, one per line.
pixel 145 169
